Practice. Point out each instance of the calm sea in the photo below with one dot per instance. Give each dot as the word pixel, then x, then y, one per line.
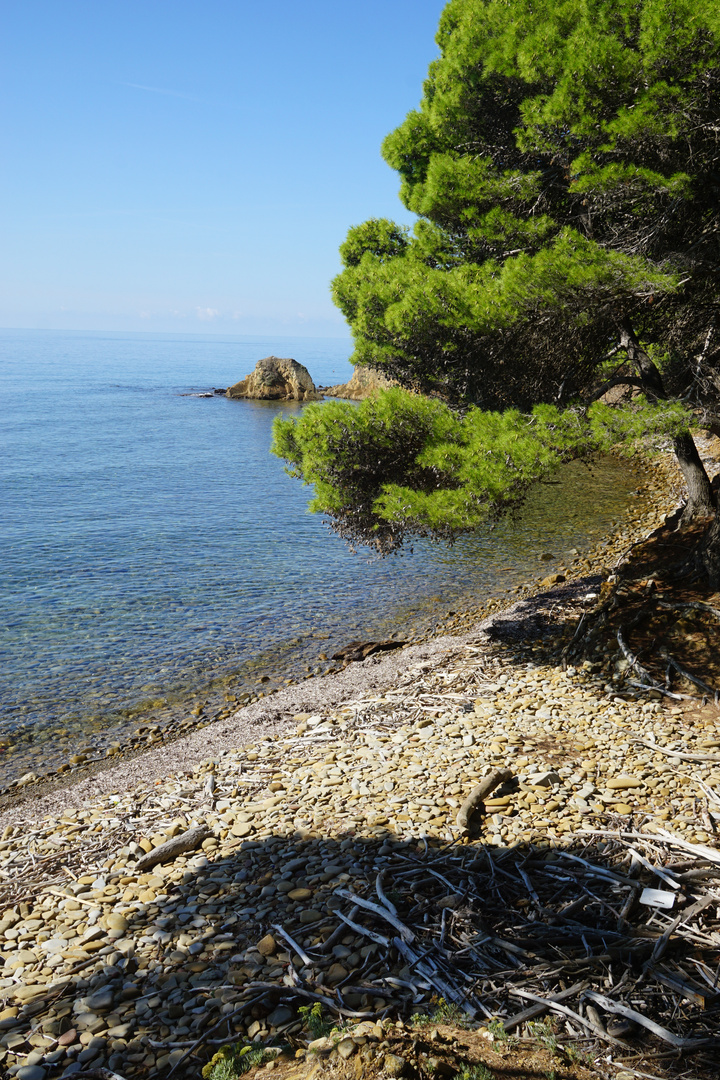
pixel 152 546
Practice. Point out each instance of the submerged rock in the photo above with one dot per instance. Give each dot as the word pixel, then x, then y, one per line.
pixel 276 378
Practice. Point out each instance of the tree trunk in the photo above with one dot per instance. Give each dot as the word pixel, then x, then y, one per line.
pixel 701 500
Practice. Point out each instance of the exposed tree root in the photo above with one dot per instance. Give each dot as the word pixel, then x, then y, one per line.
pixel 656 625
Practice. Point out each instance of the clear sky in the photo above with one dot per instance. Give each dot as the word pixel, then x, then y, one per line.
pixel 188 166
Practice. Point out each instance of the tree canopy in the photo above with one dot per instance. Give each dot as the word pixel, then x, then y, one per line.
pixel 564 167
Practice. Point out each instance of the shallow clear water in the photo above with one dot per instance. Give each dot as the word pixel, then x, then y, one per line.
pixel 151 545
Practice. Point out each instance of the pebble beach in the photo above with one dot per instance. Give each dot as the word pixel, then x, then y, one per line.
pixel 107 964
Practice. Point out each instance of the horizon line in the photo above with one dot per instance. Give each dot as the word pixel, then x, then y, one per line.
pixel 165 333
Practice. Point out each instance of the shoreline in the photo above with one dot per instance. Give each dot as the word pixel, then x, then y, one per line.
pixel 273 715
pixel 275 710
pixel 40 751
pixel 135 966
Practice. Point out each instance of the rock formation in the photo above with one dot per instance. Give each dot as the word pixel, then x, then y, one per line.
pixel 278 379
pixel 364 382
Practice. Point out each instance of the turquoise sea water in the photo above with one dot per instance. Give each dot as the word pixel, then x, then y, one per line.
pixel 151 544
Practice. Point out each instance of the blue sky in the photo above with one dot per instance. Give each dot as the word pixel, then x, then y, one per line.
pixel 192 167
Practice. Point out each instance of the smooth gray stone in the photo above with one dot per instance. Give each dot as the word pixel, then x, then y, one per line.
pixel 30 1072
pixel 89 1054
pixel 103 999
pixel 281 1015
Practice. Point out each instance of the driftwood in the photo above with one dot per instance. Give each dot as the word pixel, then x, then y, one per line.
pixel 360 650
pixel 707 608
pixel 479 793
pixel 433 976
pixel 542 1007
pixel 186 841
pixel 633 660
pixel 548 922
pixel 555 1006
pixel 634 603
pixel 656 688
pixel 672 662
pixel 677 753
pixel 299 991
pixel 381 894
pixel 644 1021
pixel 405 933
pixel 293 944
pixel 379 939
pixel 337 933
pixel 524 925
pixel 646 680
pixel 691 991
pixel 560 930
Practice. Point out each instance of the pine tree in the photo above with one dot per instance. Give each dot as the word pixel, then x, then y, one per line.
pixel 564 166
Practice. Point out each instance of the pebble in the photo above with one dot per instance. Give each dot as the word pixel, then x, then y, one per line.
pixel 115 921
pixel 309 915
pixel 267 945
pixel 27 778
pixel 280 1016
pixel 321 1046
pixel 394 1065
pixel 336 973
pixel 299 894
pixel 100 1001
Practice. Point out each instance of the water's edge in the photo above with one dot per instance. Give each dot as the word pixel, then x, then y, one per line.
pixel 160 568
pixel 216 702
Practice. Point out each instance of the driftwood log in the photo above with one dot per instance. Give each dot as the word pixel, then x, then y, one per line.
pixel 360 650
pixel 479 793
pixel 542 1007
pixel 621 1009
pixel 186 841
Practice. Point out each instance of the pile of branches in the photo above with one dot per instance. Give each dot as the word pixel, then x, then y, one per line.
pixel 618 934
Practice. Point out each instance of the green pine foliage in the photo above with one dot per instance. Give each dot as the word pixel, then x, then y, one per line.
pixel 401 464
pixel 564 167
pixel 352 453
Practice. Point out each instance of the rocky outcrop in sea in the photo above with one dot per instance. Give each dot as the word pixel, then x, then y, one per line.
pixel 276 379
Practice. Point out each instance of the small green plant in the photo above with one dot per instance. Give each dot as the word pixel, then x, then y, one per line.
pixel 232 1061
pixel 447 1012
pixel 497 1030
pixel 314 1020
pixel 442 1012
pixel 576 1056
pixel 544 1032
pixel 475 1072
